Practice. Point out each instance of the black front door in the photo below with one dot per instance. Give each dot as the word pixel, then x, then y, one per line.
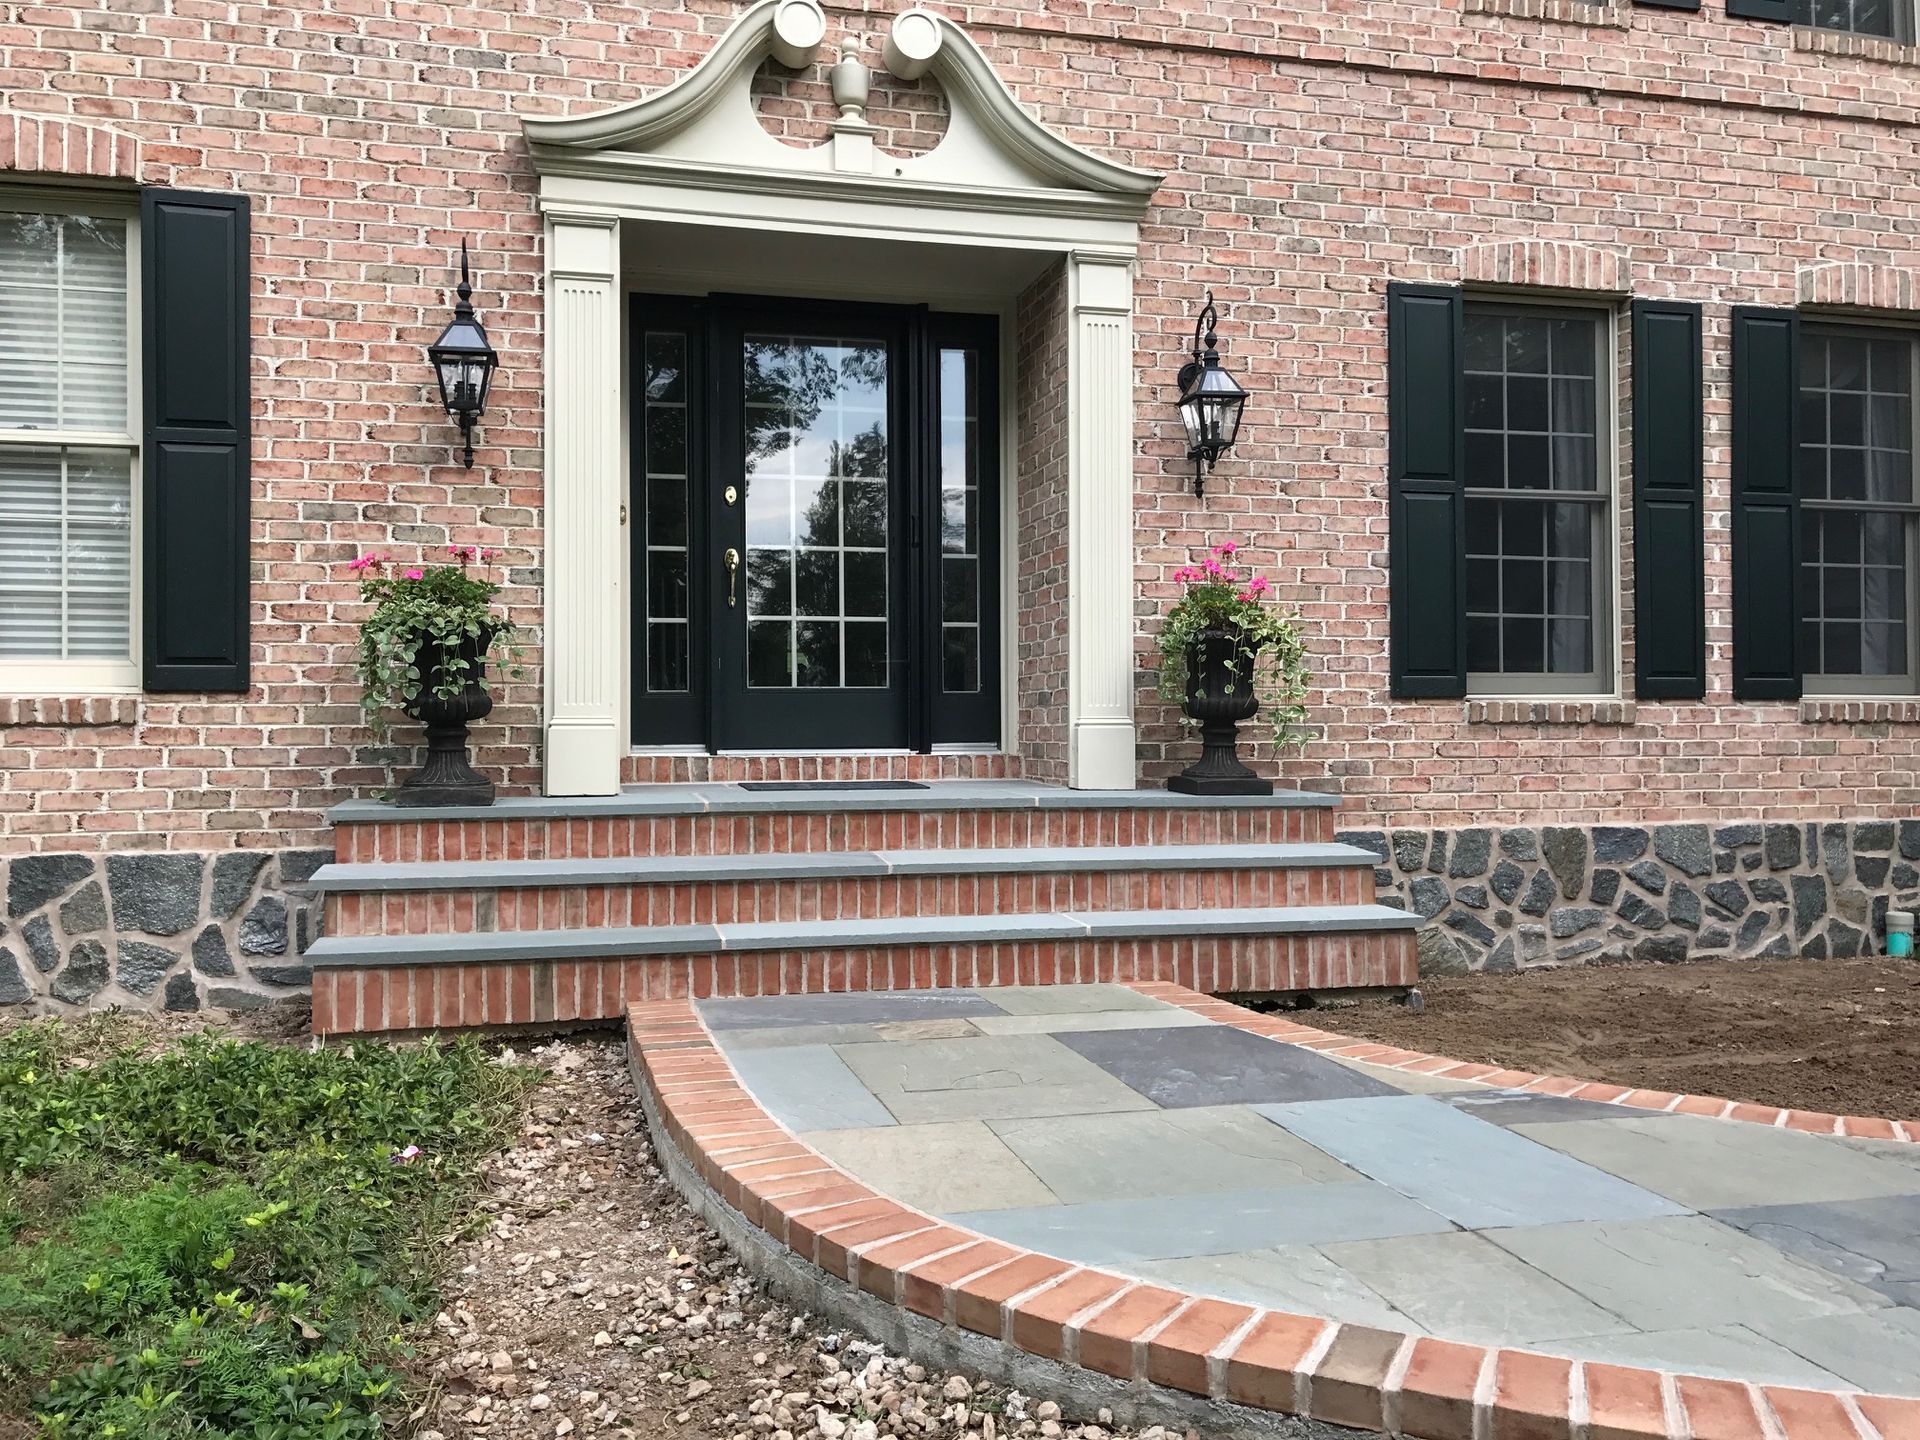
pixel 814 550
pixel 810 522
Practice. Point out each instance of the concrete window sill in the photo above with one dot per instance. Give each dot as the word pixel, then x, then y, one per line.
pixel 1550 712
pixel 1607 13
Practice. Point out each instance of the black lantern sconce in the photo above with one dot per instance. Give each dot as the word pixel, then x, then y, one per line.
pixel 1210 399
pixel 464 362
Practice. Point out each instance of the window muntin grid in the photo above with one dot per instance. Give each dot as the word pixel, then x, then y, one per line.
pixel 817 474
pixel 960 510
pixel 667 438
pixel 1535 473
pixel 1887 19
pixel 1857 513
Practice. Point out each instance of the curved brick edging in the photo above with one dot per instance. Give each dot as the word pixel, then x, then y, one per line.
pixel 1146 1335
pixel 1392 1057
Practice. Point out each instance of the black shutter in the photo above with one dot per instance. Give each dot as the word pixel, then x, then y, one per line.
pixel 1426 515
pixel 194 464
pixel 1774 11
pixel 1669 549
pixel 1671 4
pixel 1766 504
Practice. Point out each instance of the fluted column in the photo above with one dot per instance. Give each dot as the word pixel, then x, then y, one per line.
pixel 1100 661
pixel 584 598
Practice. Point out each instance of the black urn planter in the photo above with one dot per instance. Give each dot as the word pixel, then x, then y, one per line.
pixel 1219 697
pixel 448 777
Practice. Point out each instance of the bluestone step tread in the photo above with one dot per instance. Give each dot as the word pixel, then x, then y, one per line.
pixel 725 799
pixel 361 951
pixel 826 865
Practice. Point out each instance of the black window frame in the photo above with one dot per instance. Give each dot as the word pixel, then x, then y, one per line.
pixel 1831 685
pixel 1602 501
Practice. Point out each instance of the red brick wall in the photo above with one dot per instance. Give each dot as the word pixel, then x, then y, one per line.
pixel 1313 153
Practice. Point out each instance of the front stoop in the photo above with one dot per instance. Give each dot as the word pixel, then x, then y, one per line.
pixel 540 912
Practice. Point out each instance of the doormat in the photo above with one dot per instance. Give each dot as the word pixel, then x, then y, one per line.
pixel 832 785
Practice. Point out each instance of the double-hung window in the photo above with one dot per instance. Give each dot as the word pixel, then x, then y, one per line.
pixel 1857 510
pixel 1536 481
pixel 1887 19
pixel 69 446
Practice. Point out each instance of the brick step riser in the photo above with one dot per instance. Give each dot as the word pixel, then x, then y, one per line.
pixel 786 833
pixel 563 992
pixel 732 769
pixel 461 912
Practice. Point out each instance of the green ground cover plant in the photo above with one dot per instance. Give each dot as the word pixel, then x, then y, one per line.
pixel 228 1237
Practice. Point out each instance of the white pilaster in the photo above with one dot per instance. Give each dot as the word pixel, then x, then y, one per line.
pixel 584 601
pixel 1100 661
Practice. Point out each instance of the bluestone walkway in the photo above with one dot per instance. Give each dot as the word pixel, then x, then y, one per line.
pixel 1099 1125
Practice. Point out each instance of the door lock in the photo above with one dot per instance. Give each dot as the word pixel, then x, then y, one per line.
pixel 732 557
pixel 732 494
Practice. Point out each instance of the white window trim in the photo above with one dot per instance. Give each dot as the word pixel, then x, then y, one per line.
pixel 63 678
pixel 1608 641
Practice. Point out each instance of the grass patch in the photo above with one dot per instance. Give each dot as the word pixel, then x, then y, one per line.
pixel 219 1238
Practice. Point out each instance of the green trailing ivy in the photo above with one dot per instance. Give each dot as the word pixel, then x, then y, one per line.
pixel 418 608
pixel 1270 650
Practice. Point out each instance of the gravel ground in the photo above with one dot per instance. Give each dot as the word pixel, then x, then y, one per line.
pixel 596 1304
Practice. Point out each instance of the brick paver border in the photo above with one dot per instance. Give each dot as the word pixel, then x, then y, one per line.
pixel 1403 1385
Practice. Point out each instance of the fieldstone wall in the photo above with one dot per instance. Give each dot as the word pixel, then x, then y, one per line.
pixel 157 931
pixel 1499 899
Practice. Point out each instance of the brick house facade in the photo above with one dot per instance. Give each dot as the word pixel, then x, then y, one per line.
pixel 1566 157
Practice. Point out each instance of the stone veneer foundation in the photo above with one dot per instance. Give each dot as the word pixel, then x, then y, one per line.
pixel 165 930
pixel 1505 898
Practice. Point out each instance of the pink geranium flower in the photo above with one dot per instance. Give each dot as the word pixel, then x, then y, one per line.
pixel 416 573
pixel 366 561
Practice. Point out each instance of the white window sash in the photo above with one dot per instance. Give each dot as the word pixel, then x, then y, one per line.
pixel 52 676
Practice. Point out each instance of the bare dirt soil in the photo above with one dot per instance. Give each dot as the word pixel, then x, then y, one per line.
pixel 1830 1035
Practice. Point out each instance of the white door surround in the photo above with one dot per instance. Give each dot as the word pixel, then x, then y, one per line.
pixel 696 154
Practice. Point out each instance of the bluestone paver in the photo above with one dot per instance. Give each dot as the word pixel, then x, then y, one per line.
pixel 1518 1107
pixel 1709 1164
pixel 768 1011
pixel 1475 1174
pixel 1684 1272
pixel 1060 1023
pixel 1297 1280
pixel 775 1036
pixel 993 1077
pixel 1876 1350
pixel 809 1087
pixel 1213 1065
pixel 1461 1286
pixel 1111 1232
pixel 1166 1152
pixel 1875 1243
pixel 953 1165
pixel 1073 1000
pixel 1407 1082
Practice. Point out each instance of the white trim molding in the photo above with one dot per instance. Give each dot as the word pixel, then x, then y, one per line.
pixel 585 672
pixel 695 154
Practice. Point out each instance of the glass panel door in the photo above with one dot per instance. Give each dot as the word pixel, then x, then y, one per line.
pixel 809 516
pixel 816 480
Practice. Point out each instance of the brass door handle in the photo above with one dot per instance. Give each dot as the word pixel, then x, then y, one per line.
pixel 732 557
